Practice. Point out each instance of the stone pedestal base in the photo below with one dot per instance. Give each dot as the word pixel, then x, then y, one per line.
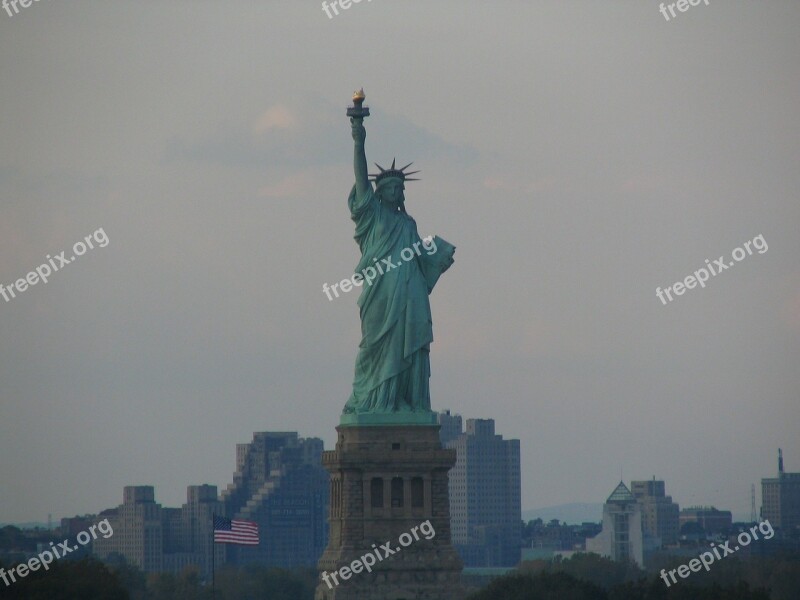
pixel 389 484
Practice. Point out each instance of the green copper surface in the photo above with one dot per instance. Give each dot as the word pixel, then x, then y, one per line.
pixel 392 371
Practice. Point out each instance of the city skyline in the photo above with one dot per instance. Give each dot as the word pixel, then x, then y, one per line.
pixel 579 155
pixel 450 431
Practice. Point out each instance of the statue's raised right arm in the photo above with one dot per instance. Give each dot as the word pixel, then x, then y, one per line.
pixel 360 156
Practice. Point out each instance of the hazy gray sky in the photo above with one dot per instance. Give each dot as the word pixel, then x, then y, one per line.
pixel 578 154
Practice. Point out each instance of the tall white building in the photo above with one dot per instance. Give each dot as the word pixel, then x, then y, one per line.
pixel 485 492
pixel 660 515
pixel 160 539
pixel 621 538
pixel 138 530
pixel 780 498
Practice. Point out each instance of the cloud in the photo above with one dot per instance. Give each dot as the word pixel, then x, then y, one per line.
pixel 275 117
pixel 642 183
pixel 291 186
pixel 547 184
pixel 494 183
pixel 313 133
pixel 509 182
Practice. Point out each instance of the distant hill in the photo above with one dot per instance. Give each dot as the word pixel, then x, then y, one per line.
pixel 31 525
pixel 575 513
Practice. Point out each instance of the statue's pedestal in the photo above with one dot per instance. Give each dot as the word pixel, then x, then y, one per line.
pixel 387 481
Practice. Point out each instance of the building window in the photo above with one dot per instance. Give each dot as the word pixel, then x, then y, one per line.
pixel 376 492
pixel 417 492
pixel 397 492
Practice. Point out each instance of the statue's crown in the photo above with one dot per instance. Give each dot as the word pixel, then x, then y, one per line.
pixel 393 172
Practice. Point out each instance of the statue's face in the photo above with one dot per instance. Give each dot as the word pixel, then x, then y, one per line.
pixel 392 194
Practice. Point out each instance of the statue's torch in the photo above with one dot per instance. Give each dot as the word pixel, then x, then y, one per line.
pixel 358 111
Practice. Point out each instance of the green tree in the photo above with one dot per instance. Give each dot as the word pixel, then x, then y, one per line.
pixel 544 586
pixel 130 577
pixel 86 579
pixel 254 582
pixel 593 568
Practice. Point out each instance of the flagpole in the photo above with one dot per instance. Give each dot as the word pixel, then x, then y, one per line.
pixel 231 532
pixel 213 552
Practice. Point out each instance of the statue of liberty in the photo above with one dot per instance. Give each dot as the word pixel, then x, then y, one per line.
pixel 392 370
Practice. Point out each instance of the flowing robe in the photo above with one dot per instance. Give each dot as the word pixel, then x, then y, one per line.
pixel 392 368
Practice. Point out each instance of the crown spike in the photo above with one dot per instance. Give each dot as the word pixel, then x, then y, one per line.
pixel 393 171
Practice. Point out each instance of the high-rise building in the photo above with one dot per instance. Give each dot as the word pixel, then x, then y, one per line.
pixel 451 426
pixel 137 526
pixel 660 515
pixel 707 517
pixel 485 492
pixel 141 527
pixel 280 484
pixel 156 539
pixel 780 498
pixel 621 538
pixel 194 541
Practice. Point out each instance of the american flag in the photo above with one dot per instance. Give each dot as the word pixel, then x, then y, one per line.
pixel 227 531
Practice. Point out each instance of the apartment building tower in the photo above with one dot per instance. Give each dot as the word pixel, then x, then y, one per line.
pixel 280 484
pixel 660 515
pixel 485 492
pixel 780 498
pixel 621 538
